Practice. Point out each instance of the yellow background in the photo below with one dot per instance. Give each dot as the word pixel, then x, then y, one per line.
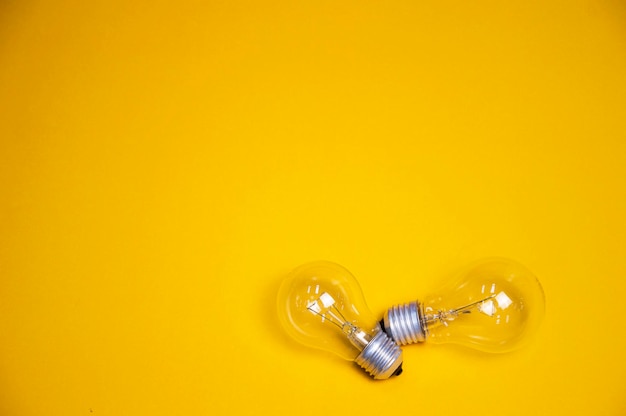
pixel 164 164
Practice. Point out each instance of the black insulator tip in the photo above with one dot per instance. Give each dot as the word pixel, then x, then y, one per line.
pixel 382 325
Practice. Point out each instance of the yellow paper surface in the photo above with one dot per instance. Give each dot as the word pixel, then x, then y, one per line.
pixel 164 164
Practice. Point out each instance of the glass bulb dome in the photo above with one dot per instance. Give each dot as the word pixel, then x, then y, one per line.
pixel 495 306
pixel 321 305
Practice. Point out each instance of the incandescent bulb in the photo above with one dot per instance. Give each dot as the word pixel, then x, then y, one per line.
pixel 321 305
pixel 494 307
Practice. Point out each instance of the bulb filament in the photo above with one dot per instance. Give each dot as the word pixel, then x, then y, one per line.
pixel 325 307
pixel 485 306
pixel 331 316
pixel 465 309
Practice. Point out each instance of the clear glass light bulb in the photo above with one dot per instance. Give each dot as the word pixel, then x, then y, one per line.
pixel 495 307
pixel 321 305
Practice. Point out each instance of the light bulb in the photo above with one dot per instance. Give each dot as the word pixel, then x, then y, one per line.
pixel 495 306
pixel 321 305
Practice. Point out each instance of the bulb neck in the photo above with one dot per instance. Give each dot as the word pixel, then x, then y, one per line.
pixel 404 323
pixel 381 357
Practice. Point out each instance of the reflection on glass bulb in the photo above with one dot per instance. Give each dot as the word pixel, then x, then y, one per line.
pixel 321 305
pixel 494 307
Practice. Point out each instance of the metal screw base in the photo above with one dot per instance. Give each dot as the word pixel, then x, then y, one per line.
pixel 381 357
pixel 402 323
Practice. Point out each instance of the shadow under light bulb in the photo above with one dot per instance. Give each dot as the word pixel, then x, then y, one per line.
pixel 321 305
pixel 495 306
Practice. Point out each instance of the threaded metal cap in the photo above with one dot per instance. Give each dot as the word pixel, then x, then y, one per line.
pixel 402 323
pixel 381 357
